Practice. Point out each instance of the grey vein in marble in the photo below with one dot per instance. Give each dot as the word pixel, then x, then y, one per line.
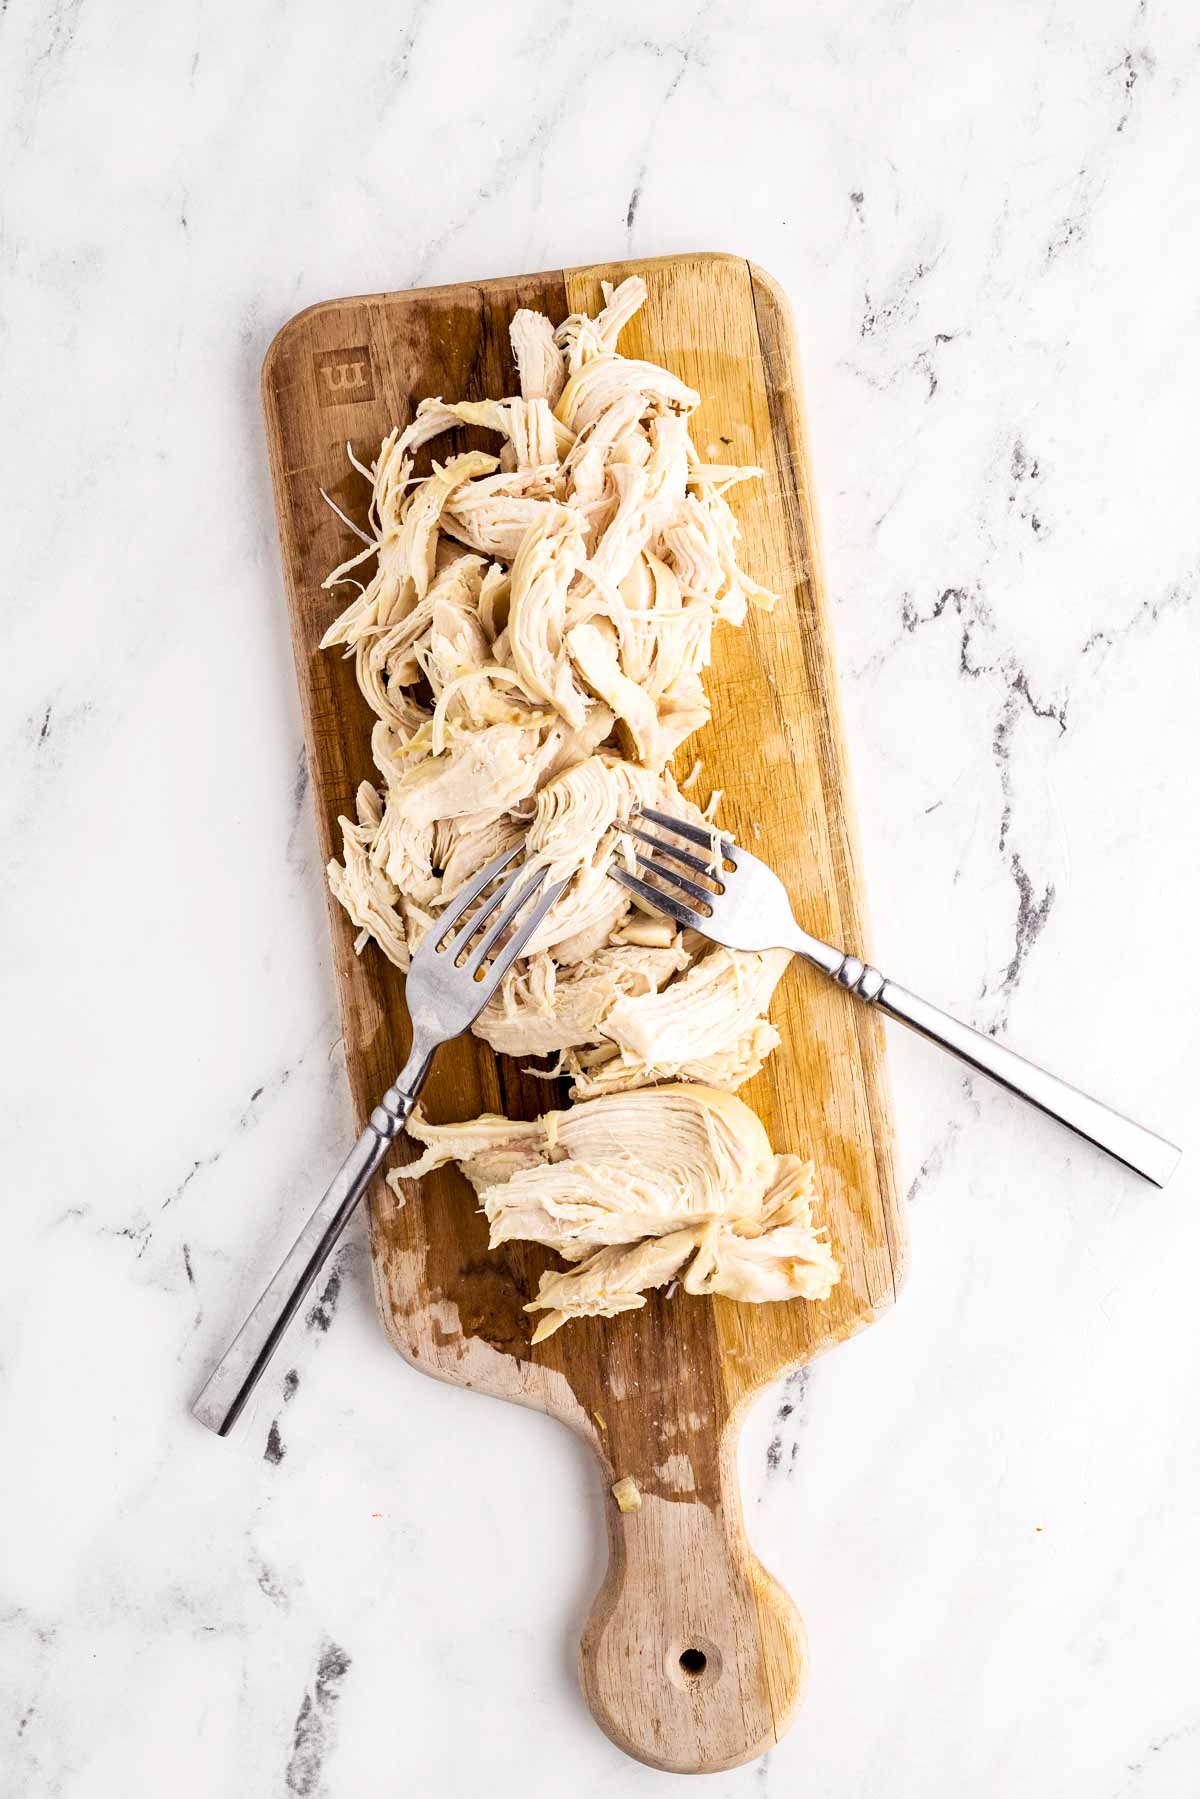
pixel 312 1736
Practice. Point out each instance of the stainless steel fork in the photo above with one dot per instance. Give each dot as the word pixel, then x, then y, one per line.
pixel 453 975
pixel 732 897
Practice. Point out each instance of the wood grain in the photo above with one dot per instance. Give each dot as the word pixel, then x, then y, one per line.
pixel 659 1394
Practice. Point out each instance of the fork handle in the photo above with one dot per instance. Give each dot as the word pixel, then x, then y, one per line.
pixel 244 1362
pixel 1141 1150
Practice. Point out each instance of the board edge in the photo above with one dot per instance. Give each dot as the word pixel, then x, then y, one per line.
pixel 765 287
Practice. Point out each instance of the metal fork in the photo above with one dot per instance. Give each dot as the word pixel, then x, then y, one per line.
pixel 449 982
pixel 732 897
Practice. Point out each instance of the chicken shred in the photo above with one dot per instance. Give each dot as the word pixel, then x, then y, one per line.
pixel 532 639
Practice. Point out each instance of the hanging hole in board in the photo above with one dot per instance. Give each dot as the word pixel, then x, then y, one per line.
pixel 693 1662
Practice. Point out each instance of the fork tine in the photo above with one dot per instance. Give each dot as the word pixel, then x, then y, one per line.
pixel 522 934
pixel 475 886
pixel 658 901
pixel 464 934
pixel 693 833
pixel 671 849
pixel 497 929
pixel 705 895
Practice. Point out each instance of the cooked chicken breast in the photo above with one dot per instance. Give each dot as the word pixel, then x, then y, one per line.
pixel 532 640
pixel 637 1189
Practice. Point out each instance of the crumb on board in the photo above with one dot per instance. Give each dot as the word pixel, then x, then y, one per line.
pixel 627 1494
pixel 599 1421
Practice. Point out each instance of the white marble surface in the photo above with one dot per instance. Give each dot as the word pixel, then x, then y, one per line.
pixel 988 1508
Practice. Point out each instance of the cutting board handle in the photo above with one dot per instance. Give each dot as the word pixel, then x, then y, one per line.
pixel 693 1658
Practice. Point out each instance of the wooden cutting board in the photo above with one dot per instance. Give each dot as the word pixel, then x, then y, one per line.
pixel 693 1658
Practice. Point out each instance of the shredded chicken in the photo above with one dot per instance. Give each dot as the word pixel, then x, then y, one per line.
pixel 639 1189
pixel 531 639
